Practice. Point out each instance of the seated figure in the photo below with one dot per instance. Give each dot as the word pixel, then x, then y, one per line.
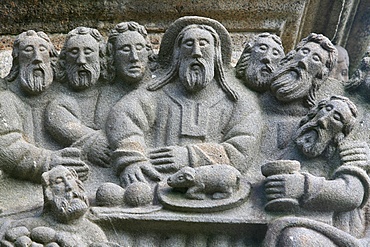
pixel 62 222
pixel 341 190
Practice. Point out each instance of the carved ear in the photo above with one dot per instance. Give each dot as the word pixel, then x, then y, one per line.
pixel 189 176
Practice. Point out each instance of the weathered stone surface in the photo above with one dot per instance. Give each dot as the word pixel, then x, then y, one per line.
pixel 175 146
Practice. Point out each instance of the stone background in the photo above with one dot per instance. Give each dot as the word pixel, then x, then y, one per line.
pixel 346 22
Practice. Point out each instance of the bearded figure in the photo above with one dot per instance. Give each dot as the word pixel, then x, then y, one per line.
pixel 64 194
pixel 34 58
pixel 80 59
pixel 303 70
pixel 325 126
pixel 259 60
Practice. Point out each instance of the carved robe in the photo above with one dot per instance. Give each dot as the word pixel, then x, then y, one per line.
pixel 22 141
pixel 213 128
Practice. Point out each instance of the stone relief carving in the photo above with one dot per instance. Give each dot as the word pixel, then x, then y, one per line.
pixel 180 137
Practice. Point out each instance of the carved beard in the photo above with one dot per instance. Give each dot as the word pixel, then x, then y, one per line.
pixel 291 83
pixel 36 78
pixel 312 140
pixel 82 76
pixel 257 75
pixel 73 205
pixel 196 74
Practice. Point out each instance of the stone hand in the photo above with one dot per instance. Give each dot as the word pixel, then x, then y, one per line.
pixel 70 158
pixel 355 154
pixel 135 173
pixel 170 158
pixel 99 152
pixel 284 186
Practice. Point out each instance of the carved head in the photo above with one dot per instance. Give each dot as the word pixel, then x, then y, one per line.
pixel 362 74
pixel 128 52
pixel 64 194
pixel 81 58
pixel 196 61
pixel 326 125
pixel 259 60
pixel 340 70
pixel 303 70
pixel 33 62
pixel 183 178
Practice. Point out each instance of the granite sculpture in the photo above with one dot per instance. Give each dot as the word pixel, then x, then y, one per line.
pixel 62 222
pixel 24 152
pixel 181 149
pixel 259 61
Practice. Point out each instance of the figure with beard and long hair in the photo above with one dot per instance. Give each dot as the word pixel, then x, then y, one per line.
pixel 293 88
pixel 190 115
pixel 25 150
pixel 75 118
pixel 62 221
pixel 259 60
pixel 334 187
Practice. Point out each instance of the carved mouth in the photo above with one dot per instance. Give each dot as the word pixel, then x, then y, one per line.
pixel 266 70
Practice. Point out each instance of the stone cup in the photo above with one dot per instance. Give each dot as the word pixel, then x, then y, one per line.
pixel 277 167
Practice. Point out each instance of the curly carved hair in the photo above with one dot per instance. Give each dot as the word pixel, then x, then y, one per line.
pixel 118 30
pixel 61 71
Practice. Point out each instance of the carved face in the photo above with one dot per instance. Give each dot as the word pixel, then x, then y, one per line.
pixel 131 56
pixel 294 80
pixel 36 73
pixel 324 128
pixel 68 199
pixel 82 61
pixel 264 58
pixel 340 71
pixel 197 54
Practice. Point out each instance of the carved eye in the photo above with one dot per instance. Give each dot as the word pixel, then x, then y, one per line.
pixel 58 180
pixel 344 72
pixel 203 42
pixel 329 107
pixel 28 48
pixel 316 58
pixel 42 48
pixel 139 47
pixel 337 116
pixel 73 51
pixel 181 177
pixel 305 51
pixel 88 51
pixel 189 43
pixel 125 48
pixel 275 52
pixel 69 177
pixel 263 47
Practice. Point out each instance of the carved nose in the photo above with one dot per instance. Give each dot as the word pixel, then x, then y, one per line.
pixel 323 123
pixel 81 59
pixel 266 60
pixel 302 64
pixel 133 55
pixel 196 51
pixel 37 58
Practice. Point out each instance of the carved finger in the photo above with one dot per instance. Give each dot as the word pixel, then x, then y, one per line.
pixel 274 196
pixel 70 152
pixel 356 157
pixel 160 155
pixel 353 151
pixel 166 168
pixel 274 190
pixel 139 176
pixel 162 161
pixel 152 173
pixel 271 184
